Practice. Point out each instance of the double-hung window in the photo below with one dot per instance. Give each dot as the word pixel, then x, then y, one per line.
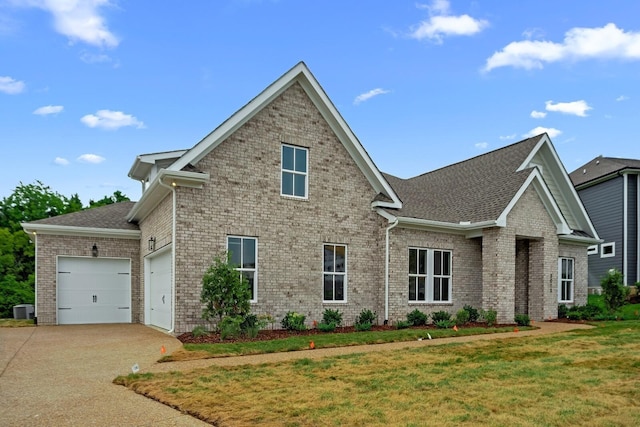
pixel 565 276
pixel 429 275
pixel 244 255
pixel 294 171
pixel 334 273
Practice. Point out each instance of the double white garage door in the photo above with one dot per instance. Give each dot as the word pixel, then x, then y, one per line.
pixel 94 290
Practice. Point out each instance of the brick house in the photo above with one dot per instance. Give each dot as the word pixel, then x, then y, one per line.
pixel 288 189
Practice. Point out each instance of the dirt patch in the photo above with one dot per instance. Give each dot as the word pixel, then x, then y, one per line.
pixel 274 334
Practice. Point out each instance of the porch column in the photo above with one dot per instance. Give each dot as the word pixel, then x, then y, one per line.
pixel 498 273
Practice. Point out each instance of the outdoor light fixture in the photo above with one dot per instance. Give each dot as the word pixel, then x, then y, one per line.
pixel 94 250
pixel 152 243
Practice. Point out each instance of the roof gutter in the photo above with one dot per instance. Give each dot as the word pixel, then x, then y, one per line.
pixel 68 230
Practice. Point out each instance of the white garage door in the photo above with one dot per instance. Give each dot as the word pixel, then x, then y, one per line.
pixel 160 290
pixel 94 290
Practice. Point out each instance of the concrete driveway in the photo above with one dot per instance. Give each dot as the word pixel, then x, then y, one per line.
pixel 61 376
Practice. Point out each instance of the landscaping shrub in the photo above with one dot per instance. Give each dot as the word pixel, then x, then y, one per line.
pixel 402 324
pixel 332 316
pixel 440 315
pixel 366 316
pixel 224 291
pixel 417 318
pixel 574 315
pixel 522 320
pixel 361 327
pixel 562 311
pixel 199 331
pixel 462 317
pixel 252 324
pixel 490 316
pixel 230 327
pixel 326 327
pixel 584 312
pixel 444 324
pixel 293 321
pixel 613 290
pixel 474 315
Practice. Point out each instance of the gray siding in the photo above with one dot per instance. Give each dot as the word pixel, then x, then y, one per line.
pixel 632 230
pixel 604 204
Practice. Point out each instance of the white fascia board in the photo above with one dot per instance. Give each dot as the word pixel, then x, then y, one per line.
pixel 525 164
pixel 144 162
pixel 469 230
pixel 65 230
pixel 579 240
pixel 547 199
pixel 156 192
pixel 386 215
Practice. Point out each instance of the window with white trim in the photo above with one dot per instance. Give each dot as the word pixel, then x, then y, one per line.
pixel 334 276
pixel 565 278
pixel 592 250
pixel 608 250
pixel 294 171
pixel 244 255
pixel 429 275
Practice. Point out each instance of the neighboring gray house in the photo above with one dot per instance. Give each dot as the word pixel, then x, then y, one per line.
pixel 610 191
pixel 288 189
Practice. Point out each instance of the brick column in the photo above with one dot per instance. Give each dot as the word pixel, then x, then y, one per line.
pixel 498 273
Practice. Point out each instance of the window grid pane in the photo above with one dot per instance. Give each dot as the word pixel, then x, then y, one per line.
pixel 335 269
pixel 294 171
pixel 243 252
pixel 429 275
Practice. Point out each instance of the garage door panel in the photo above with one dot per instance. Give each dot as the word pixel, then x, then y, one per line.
pixel 93 290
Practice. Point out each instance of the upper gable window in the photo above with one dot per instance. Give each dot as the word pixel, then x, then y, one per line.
pixel 294 171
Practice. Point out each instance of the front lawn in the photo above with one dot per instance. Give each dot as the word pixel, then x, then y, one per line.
pixel 585 377
pixel 16 323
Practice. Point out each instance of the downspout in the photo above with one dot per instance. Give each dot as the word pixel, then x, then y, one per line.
pixel 386 273
pixel 173 255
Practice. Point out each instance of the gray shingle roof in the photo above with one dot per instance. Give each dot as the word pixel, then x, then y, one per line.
pixel 599 167
pixel 113 216
pixel 476 190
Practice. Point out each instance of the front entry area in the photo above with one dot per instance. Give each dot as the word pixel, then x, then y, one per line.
pixel 93 290
pixel 159 290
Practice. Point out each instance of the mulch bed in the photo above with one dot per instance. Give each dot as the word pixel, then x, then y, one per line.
pixel 274 334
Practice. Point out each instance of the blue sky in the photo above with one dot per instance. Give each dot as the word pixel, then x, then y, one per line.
pixel 86 85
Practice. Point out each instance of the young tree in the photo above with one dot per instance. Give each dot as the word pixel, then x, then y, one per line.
pixel 225 291
pixel 613 290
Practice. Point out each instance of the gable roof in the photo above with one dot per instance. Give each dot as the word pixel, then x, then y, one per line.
pixel 302 75
pixel 109 221
pixel 481 191
pixel 601 169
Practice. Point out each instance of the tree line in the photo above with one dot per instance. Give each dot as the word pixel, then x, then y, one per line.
pixel 30 202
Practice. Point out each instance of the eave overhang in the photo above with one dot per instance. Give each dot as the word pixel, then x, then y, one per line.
pixel 66 230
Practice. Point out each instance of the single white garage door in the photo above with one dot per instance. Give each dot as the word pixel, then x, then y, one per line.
pixel 94 290
pixel 160 290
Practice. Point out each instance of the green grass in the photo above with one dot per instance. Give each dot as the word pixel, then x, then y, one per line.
pixel 296 343
pixel 626 312
pixel 15 323
pixel 584 377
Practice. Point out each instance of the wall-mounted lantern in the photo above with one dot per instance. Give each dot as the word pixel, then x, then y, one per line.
pixel 152 243
pixel 94 250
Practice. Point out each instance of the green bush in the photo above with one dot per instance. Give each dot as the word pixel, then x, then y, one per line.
pixel 230 327
pixel 326 327
pixel 462 317
pixel 613 290
pixel 474 315
pixel 293 321
pixel 402 324
pixel 574 315
pixel 252 324
pixel 417 318
pixel 562 311
pixel 332 316
pixel 490 316
pixel 439 316
pixel 366 316
pixel 361 327
pixel 444 324
pixel 199 331
pixel 522 320
pixel 225 292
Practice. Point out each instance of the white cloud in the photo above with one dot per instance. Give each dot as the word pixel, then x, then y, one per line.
pixel 508 137
pixel 49 109
pixel 79 20
pixel 552 132
pixel 576 108
pixel 61 161
pixel 91 158
pixel 481 145
pixel 91 58
pixel 11 86
pixel 368 95
pixel 622 98
pixel 538 114
pixel 107 119
pixel 440 24
pixel 608 42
